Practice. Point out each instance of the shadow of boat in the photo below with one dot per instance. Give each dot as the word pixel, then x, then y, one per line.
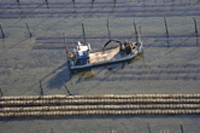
pixel 65 75
pixel 87 73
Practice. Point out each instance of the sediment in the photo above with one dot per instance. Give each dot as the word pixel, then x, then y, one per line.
pixel 99 105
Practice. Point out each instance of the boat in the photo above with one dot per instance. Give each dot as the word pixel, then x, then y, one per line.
pixel 84 57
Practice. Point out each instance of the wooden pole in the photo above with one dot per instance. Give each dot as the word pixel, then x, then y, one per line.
pixel 143 3
pixel 136 33
pixel 1 92
pixel 18 2
pixel 67 88
pixel 28 29
pixel 47 3
pixel 167 32
pixel 195 25
pixel 3 35
pixel 66 48
pixel 73 3
pixel 84 36
pixel 149 129
pixel 41 88
pixel 166 27
pixel 140 34
pixel 92 4
pixel 181 128
pixel 108 29
pixel 196 30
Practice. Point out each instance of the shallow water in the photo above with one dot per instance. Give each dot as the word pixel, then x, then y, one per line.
pixel 168 65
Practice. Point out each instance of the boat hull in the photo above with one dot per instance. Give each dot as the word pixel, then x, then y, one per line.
pixel 113 61
pixel 108 56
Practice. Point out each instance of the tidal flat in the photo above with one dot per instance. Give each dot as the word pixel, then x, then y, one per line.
pixel 168 65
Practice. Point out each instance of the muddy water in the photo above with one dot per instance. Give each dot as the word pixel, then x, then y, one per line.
pixel 168 65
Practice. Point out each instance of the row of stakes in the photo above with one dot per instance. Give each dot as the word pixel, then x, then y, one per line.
pixel 18 1
pixel 149 129
pixel 109 35
pixel 181 127
pixel 41 89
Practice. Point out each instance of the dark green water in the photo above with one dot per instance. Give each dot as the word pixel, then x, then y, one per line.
pixel 167 65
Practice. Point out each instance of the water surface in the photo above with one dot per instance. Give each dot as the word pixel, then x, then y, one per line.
pixel 168 65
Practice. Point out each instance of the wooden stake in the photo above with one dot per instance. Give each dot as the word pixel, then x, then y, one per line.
pixel 73 2
pixel 136 33
pixel 83 28
pixel 28 29
pixel 108 28
pixel 47 4
pixel 3 35
pixel 92 4
pixel 195 25
pixel 66 48
pixel 167 32
pixel 51 130
pixel 149 129
pixel 181 128
pixel 140 34
pixel 1 92
pixel 41 88
pixel 84 37
pixel 67 88
pixel 166 27
pixel 18 2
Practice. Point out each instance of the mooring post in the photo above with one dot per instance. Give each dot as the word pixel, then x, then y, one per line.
pixel 196 30
pixel 73 2
pixel 149 129
pixel 47 4
pixel 195 25
pixel 51 130
pixel 114 4
pixel 18 2
pixel 66 48
pixel 3 35
pixel 1 92
pixel 136 34
pixel 108 24
pixel 92 4
pixel 181 126
pixel 84 36
pixel 28 29
pixel 108 29
pixel 166 27
pixel 83 28
pixel 167 32
pixel 41 88
pixel 67 88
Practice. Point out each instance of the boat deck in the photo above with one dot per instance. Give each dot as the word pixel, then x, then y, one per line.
pixel 106 55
